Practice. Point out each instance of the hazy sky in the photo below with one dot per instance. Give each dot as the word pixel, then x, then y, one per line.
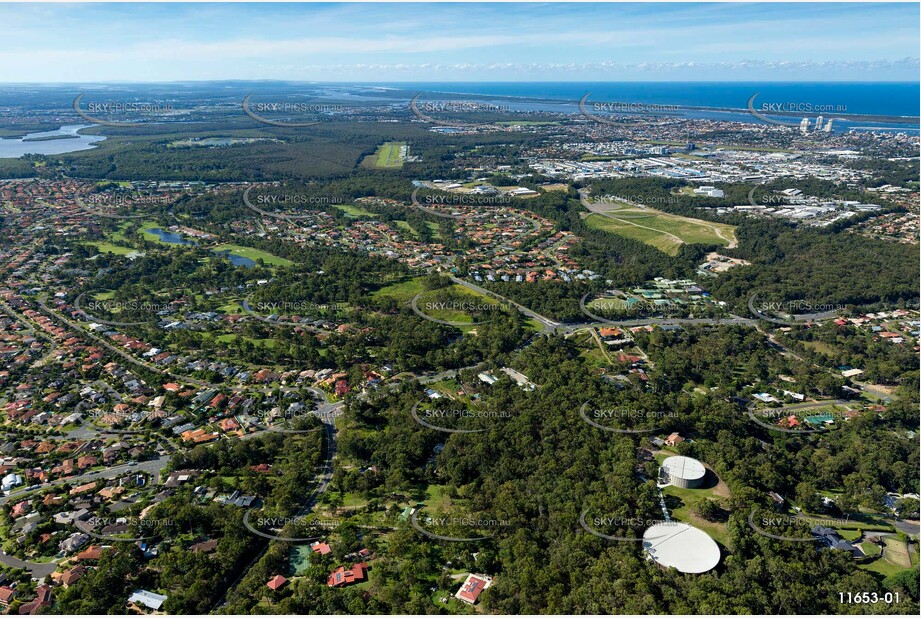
pixel 459 42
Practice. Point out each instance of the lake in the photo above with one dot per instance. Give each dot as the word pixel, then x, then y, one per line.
pixel 176 239
pixel 237 260
pixel 169 237
pixel 15 148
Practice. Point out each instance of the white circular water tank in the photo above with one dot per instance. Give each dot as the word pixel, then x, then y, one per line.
pixel 684 471
pixel 683 547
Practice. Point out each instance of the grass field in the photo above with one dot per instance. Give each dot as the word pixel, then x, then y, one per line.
pixel 402 292
pixel 119 235
pixel 895 558
pixel 436 497
pixel 231 337
pixel 255 254
pixel 664 231
pixel 820 346
pixel 412 233
pixel 354 211
pixel 897 552
pixel 406 227
pixel 106 247
pixel 388 156
pixel 231 308
pixel 663 243
pixel 685 513
pixel 455 315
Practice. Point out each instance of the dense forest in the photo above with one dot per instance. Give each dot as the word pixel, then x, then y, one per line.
pixel 546 563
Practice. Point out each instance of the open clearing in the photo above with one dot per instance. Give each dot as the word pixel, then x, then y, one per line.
pixel 105 247
pixel 402 292
pixel 353 211
pixel 391 155
pixel 666 232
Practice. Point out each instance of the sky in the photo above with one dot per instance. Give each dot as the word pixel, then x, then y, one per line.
pixel 384 42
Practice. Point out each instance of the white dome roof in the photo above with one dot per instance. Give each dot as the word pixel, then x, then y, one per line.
pixel 684 547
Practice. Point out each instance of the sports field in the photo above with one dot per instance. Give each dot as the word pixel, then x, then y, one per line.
pixel 664 231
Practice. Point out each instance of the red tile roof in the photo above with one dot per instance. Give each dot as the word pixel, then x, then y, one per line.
pixel 343 577
pixel 277 582
pixel 472 588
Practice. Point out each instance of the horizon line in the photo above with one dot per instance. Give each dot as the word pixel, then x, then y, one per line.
pixel 317 81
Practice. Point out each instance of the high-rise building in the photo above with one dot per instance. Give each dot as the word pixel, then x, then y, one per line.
pixel 828 125
pixel 818 123
pixel 804 126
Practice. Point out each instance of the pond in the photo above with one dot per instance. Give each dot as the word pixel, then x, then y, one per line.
pixel 169 237
pixel 237 260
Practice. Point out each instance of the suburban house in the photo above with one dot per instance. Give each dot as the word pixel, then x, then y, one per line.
pixel 277 582
pixel 7 595
pixel 146 598
pixel 342 577
pixel 832 540
pixel 674 439
pixel 472 587
pixel 41 600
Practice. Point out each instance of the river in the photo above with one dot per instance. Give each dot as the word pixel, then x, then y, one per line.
pixel 14 148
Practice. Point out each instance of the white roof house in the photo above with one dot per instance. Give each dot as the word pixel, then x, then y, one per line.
pixel 150 600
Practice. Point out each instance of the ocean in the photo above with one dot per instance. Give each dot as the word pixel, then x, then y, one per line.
pixel 868 98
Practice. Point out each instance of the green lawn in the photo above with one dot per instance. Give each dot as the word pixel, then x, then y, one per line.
pixel 820 346
pixel 254 254
pixel 406 227
pixel 663 243
pixel 402 292
pixel 662 230
pixel 870 549
pixel 354 211
pixel 119 234
pixel 231 337
pixel 883 567
pixel 453 605
pixel 351 499
pixel 686 514
pixel 105 247
pixel 455 315
pixel 231 308
pixel 436 497
pixel 897 552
